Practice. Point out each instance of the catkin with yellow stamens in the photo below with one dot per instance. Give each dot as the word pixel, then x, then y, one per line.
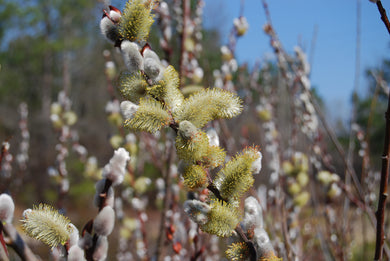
pixel 45 224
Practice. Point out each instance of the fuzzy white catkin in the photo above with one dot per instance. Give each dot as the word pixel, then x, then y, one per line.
pixel 264 246
pixel 256 165
pixel 152 68
pixel 100 253
pixel 187 129
pixel 128 109
pixel 74 236
pixel 253 216
pixel 75 253
pixel 152 64
pixel 104 221
pixel 107 28
pixel 115 170
pixel 213 137
pixel 132 56
pixel 7 208
pixel 197 210
pixel 148 53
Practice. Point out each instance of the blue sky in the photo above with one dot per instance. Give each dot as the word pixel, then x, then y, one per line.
pixel 333 68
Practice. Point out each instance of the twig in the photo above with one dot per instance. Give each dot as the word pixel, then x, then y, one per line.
pixel 380 214
pixel 286 236
pixel 384 18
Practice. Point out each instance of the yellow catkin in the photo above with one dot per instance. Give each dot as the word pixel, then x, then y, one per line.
pixel 47 225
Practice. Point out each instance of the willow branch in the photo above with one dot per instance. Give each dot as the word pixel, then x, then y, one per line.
pixel 384 18
pixel 380 213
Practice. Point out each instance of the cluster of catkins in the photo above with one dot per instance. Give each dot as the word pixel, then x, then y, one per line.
pixel 153 101
pixel 296 170
pixel 46 224
pixel 63 118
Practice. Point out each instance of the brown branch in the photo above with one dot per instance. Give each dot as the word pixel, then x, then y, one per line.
pixel 384 18
pixel 287 244
pixel 380 214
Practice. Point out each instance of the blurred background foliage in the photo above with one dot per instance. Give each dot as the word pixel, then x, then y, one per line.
pixel 49 46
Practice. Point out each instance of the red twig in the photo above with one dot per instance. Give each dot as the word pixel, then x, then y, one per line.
pixel 380 214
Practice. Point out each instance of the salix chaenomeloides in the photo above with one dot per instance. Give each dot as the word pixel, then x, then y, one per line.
pixel 154 101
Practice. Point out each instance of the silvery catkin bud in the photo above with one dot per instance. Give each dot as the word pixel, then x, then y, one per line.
pixel 152 68
pixel 132 56
pixel 74 235
pixel 109 24
pixel 7 208
pixel 256 165
pixel 213 137
pixel 197 211
pixel 187 130
pixel 263 243
pixel 253 216
pixel 104 221
pixel 128 109
pixel 75 253
pixel 100 253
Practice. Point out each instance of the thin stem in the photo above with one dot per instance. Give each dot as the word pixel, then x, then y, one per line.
pixel 286 236
pixel 380 214
pixel 3 247
pixel 384 18
pixel 339 149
